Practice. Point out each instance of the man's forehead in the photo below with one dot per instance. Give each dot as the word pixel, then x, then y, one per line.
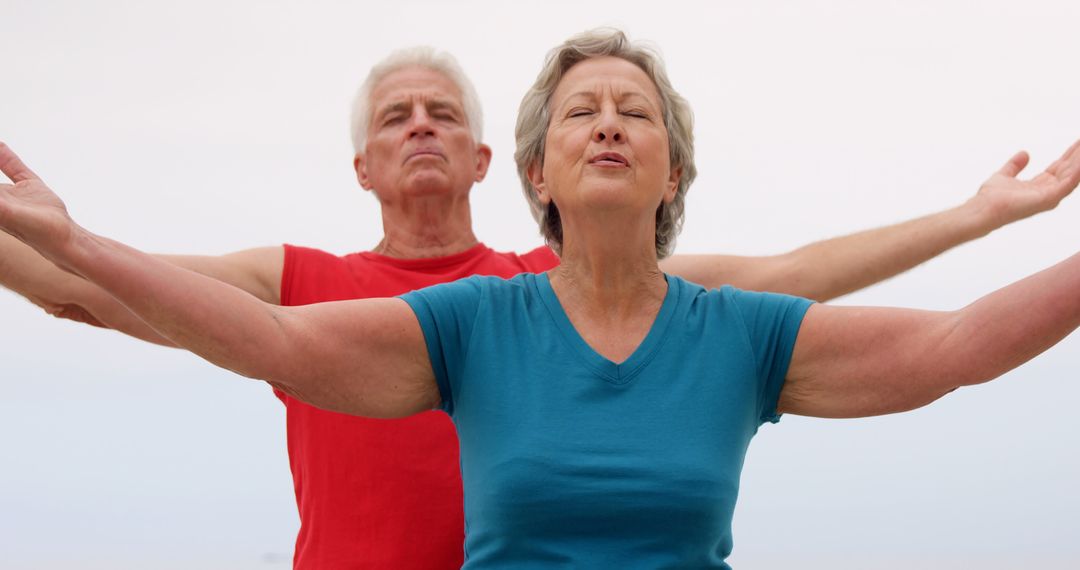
pixel 409 84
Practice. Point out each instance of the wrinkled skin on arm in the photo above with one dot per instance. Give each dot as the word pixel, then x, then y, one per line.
pixel 364 357
pixel 822 270
pixel 828 269
pixel 862 361
pixel 68 296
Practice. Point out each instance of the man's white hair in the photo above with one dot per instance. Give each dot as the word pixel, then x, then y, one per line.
pixel 419 56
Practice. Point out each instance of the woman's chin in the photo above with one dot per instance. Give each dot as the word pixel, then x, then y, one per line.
pixel 622 201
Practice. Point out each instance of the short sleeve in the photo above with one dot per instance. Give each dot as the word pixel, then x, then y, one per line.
pixel 447 314
pixel 772 324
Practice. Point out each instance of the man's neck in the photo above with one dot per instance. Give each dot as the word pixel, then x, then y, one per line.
pixel 425 228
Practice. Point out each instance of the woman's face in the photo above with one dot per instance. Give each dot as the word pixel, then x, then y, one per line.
pixel 607 146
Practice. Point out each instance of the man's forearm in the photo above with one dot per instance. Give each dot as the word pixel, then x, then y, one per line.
pixel 65 295
pixel 830 268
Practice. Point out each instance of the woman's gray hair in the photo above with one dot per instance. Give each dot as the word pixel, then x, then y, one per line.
pixel 534 116
pixel 419 56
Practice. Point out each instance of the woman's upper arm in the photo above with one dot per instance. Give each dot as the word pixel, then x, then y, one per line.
pixel 865 361
pixel 366 357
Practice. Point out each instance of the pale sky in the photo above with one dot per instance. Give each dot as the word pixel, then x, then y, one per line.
pixel 209 127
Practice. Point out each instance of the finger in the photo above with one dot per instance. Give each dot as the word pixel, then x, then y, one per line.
pixel 1071 160
pixel 13 167
pixel 1067 168
pixel 1073 153
pixel 1015 164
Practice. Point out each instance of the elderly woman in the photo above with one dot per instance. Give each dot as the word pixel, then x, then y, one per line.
pixel 604 409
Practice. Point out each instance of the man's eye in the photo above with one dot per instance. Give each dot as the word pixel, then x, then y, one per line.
pixel 636 114
pixel 393 120
pixel 579 112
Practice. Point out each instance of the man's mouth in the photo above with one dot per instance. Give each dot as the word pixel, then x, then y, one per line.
pixel 424 152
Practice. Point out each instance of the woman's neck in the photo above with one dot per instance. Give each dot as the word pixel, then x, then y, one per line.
pixel 608 273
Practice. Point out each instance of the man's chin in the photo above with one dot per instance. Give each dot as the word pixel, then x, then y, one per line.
pixel 429 184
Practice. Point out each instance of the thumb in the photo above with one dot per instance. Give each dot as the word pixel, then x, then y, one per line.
pixel 13 167
pixel 1015 164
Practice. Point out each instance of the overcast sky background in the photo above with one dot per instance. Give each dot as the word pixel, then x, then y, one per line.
pixel 208 127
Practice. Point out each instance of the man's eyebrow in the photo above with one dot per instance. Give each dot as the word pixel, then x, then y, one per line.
pixel 392 108
pixel 444 104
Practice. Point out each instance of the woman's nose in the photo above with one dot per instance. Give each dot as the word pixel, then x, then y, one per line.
pixel 609 128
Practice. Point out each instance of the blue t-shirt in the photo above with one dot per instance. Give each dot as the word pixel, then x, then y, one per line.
pixel 571 460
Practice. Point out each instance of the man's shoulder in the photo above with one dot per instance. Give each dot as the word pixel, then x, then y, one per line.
pixel 536 260
pixel 302 255
pixel 304 251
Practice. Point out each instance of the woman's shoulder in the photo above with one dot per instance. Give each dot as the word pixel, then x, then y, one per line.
pixel 727 298
pixel 496 283
pixel 481 286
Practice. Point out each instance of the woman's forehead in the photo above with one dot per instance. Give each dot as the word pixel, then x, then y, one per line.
pixel 598 75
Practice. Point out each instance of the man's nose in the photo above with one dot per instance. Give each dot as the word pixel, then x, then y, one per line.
pixel 420 123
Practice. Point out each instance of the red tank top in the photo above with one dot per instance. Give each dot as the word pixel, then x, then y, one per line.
pixel 379 493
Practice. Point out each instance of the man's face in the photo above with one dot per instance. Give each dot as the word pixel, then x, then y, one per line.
pixel 419 142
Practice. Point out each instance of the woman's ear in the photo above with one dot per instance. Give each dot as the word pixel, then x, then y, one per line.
pixel 535 172
pixel 672 185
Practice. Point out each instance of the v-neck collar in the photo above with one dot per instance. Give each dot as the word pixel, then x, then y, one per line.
pixel 625 371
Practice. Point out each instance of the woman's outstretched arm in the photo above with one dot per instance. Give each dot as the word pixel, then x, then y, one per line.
pixel 864 361
pixel 364 357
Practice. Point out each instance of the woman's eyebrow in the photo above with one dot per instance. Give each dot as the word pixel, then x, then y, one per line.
pixel 632 96
pixel 620 96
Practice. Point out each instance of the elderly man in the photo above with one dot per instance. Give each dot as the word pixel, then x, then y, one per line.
pixel 387 493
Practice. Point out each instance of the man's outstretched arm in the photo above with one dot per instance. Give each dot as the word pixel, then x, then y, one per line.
pixel 68 296
pixel 828 269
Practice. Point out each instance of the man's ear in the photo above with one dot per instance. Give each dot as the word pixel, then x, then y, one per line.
pixel 483 160
pixel 672 184
pixel 535 173
pixel 360 166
